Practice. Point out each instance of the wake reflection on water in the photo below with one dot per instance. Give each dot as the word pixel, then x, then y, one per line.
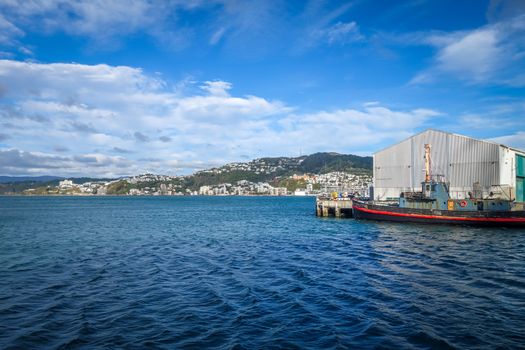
pixel 249 273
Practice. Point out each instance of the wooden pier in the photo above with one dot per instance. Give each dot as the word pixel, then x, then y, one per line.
pixel 339 208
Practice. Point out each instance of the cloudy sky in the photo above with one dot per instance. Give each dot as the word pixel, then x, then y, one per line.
pixel 107 87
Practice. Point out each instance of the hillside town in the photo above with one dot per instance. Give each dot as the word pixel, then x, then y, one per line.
pixel 259 166
pixel 157 185
pixel 315 174
pixel 311 185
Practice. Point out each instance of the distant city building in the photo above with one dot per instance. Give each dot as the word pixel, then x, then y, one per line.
pixel 66 184
pixel 278 191
pixel 300 192
pixel 101 191
pixel 205 190
pixel 134 192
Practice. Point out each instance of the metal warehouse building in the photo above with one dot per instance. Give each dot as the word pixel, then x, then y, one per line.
pixel 482 168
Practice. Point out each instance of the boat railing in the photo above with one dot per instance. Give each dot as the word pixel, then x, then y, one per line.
pixel 496 192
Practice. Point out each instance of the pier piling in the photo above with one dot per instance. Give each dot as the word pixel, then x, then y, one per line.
pixel 339 208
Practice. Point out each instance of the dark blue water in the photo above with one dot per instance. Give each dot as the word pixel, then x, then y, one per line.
pixel 226 272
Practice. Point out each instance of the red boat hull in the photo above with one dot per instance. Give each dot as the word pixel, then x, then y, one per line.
pixel 424 216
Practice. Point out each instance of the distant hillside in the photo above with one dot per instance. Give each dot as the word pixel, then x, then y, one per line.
pixel 267 169
pixel 18 184
pixel 322 163
pixel 258 170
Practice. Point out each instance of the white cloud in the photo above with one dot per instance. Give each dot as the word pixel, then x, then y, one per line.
pixel 95 17
pixel 247 27
pixel 490 54
pixel 353 130
pixel 324 32
pixel 476 54
pixel 115 17
pixel 474 121
pixel 61 80
pixel 105 22
pixel 217 36
pixel 342 33
pixel 86 108
pixel 217 88
pixel 516 140
pixel 8 32
pixel 17 162
pixel 122 121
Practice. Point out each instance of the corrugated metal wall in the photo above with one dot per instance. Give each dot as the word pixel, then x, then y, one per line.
pixel 393 168
pixel 461 160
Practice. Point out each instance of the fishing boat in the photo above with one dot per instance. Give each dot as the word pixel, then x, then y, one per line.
pixel 433 205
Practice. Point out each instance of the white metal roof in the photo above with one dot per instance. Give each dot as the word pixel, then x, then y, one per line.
pixel 453 134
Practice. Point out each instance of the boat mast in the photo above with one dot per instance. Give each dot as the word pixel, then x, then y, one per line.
pixel 427 163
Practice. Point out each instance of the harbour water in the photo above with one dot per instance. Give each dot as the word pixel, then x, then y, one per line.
pixel 247 273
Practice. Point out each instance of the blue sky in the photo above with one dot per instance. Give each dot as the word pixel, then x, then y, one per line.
pixel 108 88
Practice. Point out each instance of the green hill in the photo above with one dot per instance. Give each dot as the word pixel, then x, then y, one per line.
pixel 322 163
pixel 267 169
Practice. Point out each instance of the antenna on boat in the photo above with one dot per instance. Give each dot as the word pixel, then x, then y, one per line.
pixel 427 163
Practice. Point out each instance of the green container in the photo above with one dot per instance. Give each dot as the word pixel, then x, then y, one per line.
pixel 520 178
pixel 520 166
pixel 520 189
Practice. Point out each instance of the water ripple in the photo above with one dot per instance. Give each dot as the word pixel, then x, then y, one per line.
pixel 244 273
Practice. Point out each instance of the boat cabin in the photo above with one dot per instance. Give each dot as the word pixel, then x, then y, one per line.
pixel 435 195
